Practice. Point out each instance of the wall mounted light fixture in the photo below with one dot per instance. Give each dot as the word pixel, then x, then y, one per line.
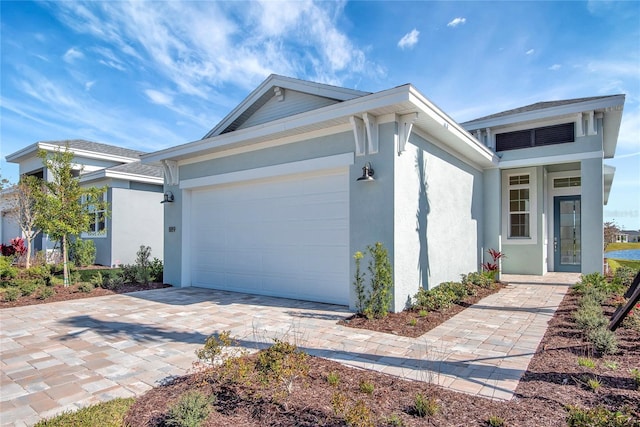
pixel 168 197
pixel 367 173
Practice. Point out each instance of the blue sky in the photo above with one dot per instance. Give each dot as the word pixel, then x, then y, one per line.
pixel 150 75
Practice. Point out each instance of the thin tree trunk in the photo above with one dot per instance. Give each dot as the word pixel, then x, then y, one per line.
pixel 27 262
pixel 65 263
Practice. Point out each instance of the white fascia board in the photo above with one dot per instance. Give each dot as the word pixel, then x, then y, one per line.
pixel 342 110
pixel 33 148
pixel 458 138
pixel 549 160
pixel 616 101
pixel 609 173
pixel 302 166
pixel 105 173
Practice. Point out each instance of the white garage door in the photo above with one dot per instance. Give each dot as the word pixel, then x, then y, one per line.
pixel 286 237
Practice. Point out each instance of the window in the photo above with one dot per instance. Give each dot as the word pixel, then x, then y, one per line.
pixel 97 222
pixel 549 135
pixel 519 206
pixel 572 181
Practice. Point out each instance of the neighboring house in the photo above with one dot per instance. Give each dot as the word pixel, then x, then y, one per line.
pixel 628 236
pixel 134 193
pixel 277 198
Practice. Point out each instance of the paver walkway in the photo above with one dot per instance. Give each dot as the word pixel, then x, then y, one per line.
pixel 66 355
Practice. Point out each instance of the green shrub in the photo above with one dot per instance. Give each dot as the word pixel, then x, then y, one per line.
pixel 280 365
pixel 590 317
pixel 425 406
pixel 603 340
pixel 366 387
pixel 478 279
pixel 598 417
pixel 625 275
pixel 27 287
pixel 12 294
pixel 456 288
pixel 96 280
pixel 143 264
pixel 46 293
pixel 7 271
pixel 157 270
pixel 191 410
pixel 105 414
pixel 374 301
pixel 495 421
pixel 214 346
pixel 129 273
pixel 112 279
pixel 586 362
pixel 82 252
pixel 86 287
pixel 359 415
pixel 38 272
pixel 333 378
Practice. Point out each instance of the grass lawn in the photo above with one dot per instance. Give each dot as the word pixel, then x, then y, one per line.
pixel 622 246
pixel 615 263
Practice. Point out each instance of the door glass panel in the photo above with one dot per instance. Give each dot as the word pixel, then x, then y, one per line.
pixel 570 239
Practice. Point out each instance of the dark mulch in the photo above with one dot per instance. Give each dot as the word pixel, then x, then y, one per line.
pixel 409 323
pixel 72 292
pixel 553 381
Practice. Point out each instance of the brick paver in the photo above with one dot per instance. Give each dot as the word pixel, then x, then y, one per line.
pixel 66 355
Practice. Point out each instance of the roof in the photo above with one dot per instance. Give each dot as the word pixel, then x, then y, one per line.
pixel 541 106
pixel 134 171
pixel 263 93
pixel 80 147
pixel 400 100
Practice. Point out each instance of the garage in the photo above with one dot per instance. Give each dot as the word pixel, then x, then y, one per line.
pixel 284 236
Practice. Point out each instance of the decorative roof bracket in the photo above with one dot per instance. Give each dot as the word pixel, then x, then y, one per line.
pixel 170 172
pixel 359 134
pixel 371 124
pixel 405 125
pixel 279 92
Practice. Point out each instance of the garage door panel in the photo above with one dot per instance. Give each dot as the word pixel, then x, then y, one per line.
pixel 286 236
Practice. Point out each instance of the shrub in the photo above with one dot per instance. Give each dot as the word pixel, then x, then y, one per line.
pixel 598 417
pixel 366 387
pixel 425 406
pixel 478 279
pixel 359 415
pixel 7 271
pixel 586 362
pixel 603 340
pixel 333 378
pixel 589 317
pixel 374 301
pixel 96 280
pixel 625 275
pixel 213 347
pixel 46 293
pixel 157 270
pixel 41 272
pixel 86 287
pixel 143 265
pixel 27 287
pixel 281 364
pixel 190 410
pixel 82 252
pixel 458 289
pixel 495 421
pixel 492 268
pixel 129 273
pixel 112 279
pixel 12 294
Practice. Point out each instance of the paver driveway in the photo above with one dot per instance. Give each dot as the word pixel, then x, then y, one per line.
pixel 66 355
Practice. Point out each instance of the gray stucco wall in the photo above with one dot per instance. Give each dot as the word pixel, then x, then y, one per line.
pixel 492 202
pixel 438 218
pixel 591 172
pixel 525 258
pixel 138 219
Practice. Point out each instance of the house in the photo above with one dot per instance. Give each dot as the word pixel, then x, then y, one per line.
pixel 628 236
pixel 279 195
pixel 133 191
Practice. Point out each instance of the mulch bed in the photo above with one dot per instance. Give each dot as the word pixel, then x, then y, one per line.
pixel 554 380
pixel 409 323
pixel 72 292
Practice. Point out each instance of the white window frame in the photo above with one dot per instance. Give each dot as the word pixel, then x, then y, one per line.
pixel 533 206
pixel 96 234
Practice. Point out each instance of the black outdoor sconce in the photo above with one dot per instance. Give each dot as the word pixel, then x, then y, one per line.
pixel 168 197
pixel 367 173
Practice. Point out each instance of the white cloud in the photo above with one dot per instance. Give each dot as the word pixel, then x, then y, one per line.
pixel 530 52
pixel 555 67
pixel 89 85
pixel 409 40
pixel 158 97
pixel 72 54
pixel 457 21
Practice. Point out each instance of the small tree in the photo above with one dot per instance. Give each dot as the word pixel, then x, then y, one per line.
pixel 611 230
pixel 63 205
pixel 24 210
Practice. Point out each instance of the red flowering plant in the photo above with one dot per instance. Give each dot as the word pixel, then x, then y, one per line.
pixel 15 247
pixel 492 268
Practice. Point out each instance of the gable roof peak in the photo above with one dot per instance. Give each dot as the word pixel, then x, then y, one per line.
pixel 272 86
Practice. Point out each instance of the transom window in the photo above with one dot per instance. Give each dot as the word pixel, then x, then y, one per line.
pixel 519 206
pixel 572 181
pixel 548 135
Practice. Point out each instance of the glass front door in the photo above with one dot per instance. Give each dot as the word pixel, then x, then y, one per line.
pixel 567 239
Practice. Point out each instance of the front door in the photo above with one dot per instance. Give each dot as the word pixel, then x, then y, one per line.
pixel 567 240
